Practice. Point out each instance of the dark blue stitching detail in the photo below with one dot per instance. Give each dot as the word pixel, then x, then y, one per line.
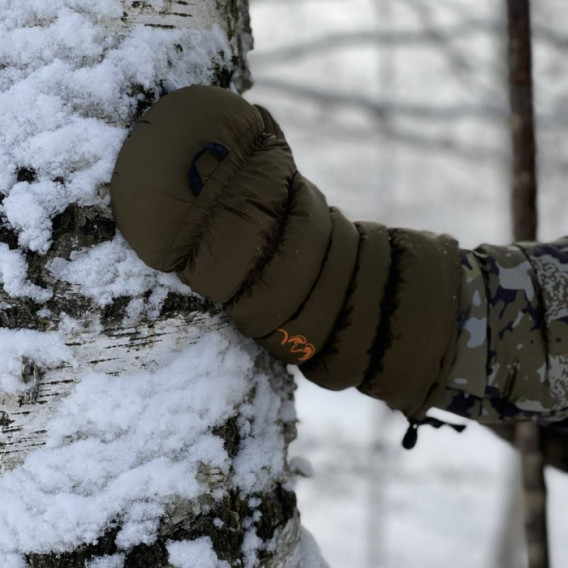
pixel 195 181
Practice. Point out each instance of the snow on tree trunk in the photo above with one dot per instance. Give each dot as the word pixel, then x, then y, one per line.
pixel 137 426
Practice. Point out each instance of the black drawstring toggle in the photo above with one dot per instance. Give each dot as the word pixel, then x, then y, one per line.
pixel 411 436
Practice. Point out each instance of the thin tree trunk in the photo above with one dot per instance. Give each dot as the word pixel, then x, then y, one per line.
pixel 79 311
pixel 511 544
pixel 524 195
pixel 524 174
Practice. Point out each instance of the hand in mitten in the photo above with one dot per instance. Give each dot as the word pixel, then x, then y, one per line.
pixel 206 186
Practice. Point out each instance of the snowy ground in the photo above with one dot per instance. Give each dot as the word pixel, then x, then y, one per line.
pixel 371 503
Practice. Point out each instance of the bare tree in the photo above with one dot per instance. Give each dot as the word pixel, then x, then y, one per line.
pixel 524 195
pixel 100 376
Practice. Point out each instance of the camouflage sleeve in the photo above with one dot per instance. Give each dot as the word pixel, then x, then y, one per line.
pixel 512 355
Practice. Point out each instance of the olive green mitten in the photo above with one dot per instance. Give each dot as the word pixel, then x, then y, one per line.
pixel 206 186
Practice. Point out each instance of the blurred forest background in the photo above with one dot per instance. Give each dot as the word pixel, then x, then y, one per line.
pixel 398 111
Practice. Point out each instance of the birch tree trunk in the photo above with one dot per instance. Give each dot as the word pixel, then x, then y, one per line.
pixel 137 427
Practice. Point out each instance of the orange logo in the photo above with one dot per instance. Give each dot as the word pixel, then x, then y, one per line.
pixel 299 344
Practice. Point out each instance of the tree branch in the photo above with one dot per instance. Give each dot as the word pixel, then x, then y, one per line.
pixel 487 110
pixel 379 38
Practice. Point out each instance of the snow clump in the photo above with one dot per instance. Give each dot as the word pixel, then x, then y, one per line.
pixel 72 78
pixel 197 553
pixel 25 346
pixel 124 447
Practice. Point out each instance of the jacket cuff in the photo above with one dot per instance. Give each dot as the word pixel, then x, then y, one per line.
pixel 525 347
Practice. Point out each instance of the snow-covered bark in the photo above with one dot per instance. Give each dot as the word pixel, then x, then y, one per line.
pixel 137 427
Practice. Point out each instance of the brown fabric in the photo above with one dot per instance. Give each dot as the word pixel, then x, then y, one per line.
pixel 352 304
pixel 288 265
pixel 344 360
pixel 316 317
pixel 417 313
pixel 152 204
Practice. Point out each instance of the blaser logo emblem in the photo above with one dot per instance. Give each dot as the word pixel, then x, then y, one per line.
pixel 298 345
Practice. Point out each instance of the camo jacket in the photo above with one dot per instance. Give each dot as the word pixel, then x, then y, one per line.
pixel 512 355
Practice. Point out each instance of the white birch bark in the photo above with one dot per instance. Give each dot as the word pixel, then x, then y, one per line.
pixel 89 335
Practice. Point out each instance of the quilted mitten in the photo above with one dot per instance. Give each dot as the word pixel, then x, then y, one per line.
pixel 206 186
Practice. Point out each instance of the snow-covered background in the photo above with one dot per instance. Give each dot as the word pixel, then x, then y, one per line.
pixel 428 151
pixel 397 111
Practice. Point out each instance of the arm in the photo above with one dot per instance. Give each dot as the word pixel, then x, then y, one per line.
pixel 512 357
pixel 206 186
